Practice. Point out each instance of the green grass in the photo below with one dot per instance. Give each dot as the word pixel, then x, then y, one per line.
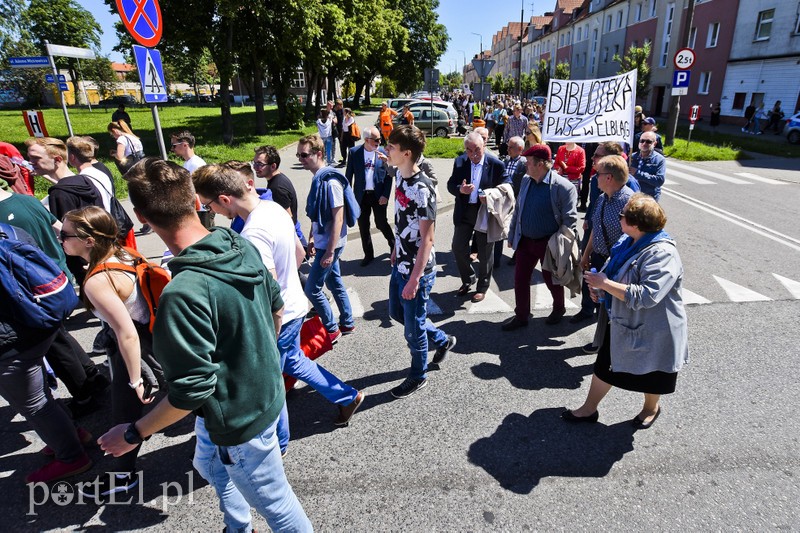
pixel 203 122
pixel 699 151
pixel 448 148
pixel 763 144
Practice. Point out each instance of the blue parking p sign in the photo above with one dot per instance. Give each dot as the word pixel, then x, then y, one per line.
pixel 680 79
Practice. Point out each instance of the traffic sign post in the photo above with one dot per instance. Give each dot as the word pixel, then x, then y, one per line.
pixel 34 121
pixel 154 87
pixel 684 59
pixel 432 84
pixel 29 62
pixel 680 82
pixel 694 114
pixel 60 92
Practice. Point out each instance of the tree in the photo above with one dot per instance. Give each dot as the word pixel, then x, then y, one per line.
pixel 527 84
pixel 386 88
pixel 637 58
pixel 427 41
pixel 100 72
pixel 63 22
pixel 498 83
pixel 542 75
pixel 562 71
pixel 26 84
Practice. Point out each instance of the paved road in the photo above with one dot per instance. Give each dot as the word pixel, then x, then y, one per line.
pixel 482 447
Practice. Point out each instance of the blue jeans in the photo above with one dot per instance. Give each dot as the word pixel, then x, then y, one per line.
pixel 413 314
pixel 234 507
pixel 256 469
pixel 295 363
pixel 332 278
pixel 328 142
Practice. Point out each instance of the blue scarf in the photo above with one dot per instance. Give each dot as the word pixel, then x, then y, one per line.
pixel 625 249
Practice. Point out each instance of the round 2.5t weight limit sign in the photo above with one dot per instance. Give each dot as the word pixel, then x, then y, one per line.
pixel 684 59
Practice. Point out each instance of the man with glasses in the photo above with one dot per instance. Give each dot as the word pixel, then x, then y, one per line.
pixel 183 146
pixel 473 173
pixel 612 178
pixel 648 166
pixel 266 163
pixel 329 206
pixel 516 126
pixel 366 172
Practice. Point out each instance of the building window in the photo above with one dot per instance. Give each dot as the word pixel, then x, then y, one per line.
pixel 562 40
pixel 713 35
pixel 616 51
pixel 738 100
pixel 608 23
pixel 764 25
pixel 667 32
pixel 605 55
pixel 299 81
pixel 653 8
pixel 569 37
pixel 578 35
pixel 705 83
pixel 797 22
pixel 692 37
pixel 638 15
pixel 619 19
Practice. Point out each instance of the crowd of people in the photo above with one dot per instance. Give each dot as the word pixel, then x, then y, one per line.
pixel 626 267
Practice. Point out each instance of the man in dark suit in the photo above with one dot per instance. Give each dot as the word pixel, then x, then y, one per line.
pixel 473 173
pixel 366 172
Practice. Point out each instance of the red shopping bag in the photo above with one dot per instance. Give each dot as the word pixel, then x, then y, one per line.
pixel 314 341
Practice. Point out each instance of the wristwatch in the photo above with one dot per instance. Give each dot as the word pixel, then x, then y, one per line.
pixel 132 435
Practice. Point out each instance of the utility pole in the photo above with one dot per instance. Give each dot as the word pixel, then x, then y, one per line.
pixel 481 36
pixel 519 65
pixel 675 103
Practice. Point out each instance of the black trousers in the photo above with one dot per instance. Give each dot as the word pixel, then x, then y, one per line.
pixel 71 364
pixel 369 204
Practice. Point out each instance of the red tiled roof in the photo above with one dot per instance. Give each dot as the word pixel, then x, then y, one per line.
pixel 121 67
pixel 568 6
pixel 541 21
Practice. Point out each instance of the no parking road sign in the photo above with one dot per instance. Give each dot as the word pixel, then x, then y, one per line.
pixel 151 74
pixel 142 19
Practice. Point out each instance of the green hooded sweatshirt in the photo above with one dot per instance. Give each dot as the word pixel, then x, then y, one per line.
pixel 215 337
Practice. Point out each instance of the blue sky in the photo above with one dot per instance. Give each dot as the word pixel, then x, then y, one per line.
pixel 461 17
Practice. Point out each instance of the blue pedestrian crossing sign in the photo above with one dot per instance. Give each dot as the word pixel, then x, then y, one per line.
pixel 151 74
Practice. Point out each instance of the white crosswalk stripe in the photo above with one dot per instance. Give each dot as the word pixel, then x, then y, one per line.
pixel 674 165
pixel 791 285
pixel 692 298
pixel 739 293
pixel 687 177
pixel 761 179
pixel 492 303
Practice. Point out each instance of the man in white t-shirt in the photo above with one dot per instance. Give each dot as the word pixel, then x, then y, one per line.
pixel 325 206
pixel 80 153
pixel 183 146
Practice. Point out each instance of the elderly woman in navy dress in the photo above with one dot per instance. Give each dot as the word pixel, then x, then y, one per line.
pixel 642 329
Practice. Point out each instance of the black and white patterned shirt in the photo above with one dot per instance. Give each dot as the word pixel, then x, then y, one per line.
pixel 605 220
pixel 414 200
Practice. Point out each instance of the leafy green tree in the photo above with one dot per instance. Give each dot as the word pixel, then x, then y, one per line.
pixel 562 71
pixel 100 72
pixel 27 83
pixel 386 88
pixel 637 58
pixel 542 75
pixel 498 83
pixel 527 84
pixel 426 44
pixel 63 22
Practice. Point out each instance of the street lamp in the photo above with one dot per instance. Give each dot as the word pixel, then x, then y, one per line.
pixel 481 36
pixel 465 58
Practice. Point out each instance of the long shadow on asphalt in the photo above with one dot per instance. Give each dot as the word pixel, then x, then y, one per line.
pixel 532 358
pixel 524 450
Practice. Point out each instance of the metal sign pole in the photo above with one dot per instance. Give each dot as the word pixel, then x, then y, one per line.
pixel 83 86
pixel 159 134
pixel 60 94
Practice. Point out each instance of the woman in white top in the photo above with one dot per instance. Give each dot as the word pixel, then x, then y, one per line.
pixel 129 148
pixel 325 129
pixel 348 141
pixel 115 298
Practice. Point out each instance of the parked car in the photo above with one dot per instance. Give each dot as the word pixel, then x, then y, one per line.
pixel 398 103
pixel 443 124
pixel 426 104
pixel 119 99
pixel 792 129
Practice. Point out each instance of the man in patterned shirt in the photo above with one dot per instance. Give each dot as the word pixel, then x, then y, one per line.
pixel 413 258
pixel 612 176
pixel 517 125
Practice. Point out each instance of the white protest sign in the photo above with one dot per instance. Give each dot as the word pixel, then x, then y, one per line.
pixel 591 110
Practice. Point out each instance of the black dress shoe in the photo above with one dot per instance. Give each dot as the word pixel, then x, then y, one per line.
pixel 554 317
pixel 514 323
pixel 638 423
pixel 567 416
pixel 580 317
pixel 366 261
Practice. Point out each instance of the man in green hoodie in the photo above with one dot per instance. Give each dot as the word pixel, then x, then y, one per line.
pixel 219 289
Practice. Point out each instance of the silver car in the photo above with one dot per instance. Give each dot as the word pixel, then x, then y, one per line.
pixel 442 125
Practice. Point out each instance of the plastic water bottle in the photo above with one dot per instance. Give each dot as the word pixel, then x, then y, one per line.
pixel 599 292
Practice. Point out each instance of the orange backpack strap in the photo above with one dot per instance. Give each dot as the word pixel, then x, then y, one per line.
pixel 119 266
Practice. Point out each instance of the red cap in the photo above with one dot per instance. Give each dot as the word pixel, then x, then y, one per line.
pixel 539 151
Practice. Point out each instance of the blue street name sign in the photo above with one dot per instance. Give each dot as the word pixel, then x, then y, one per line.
pixel 29 62
pixel 63 87
pixel 62 78
pixel 49 78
